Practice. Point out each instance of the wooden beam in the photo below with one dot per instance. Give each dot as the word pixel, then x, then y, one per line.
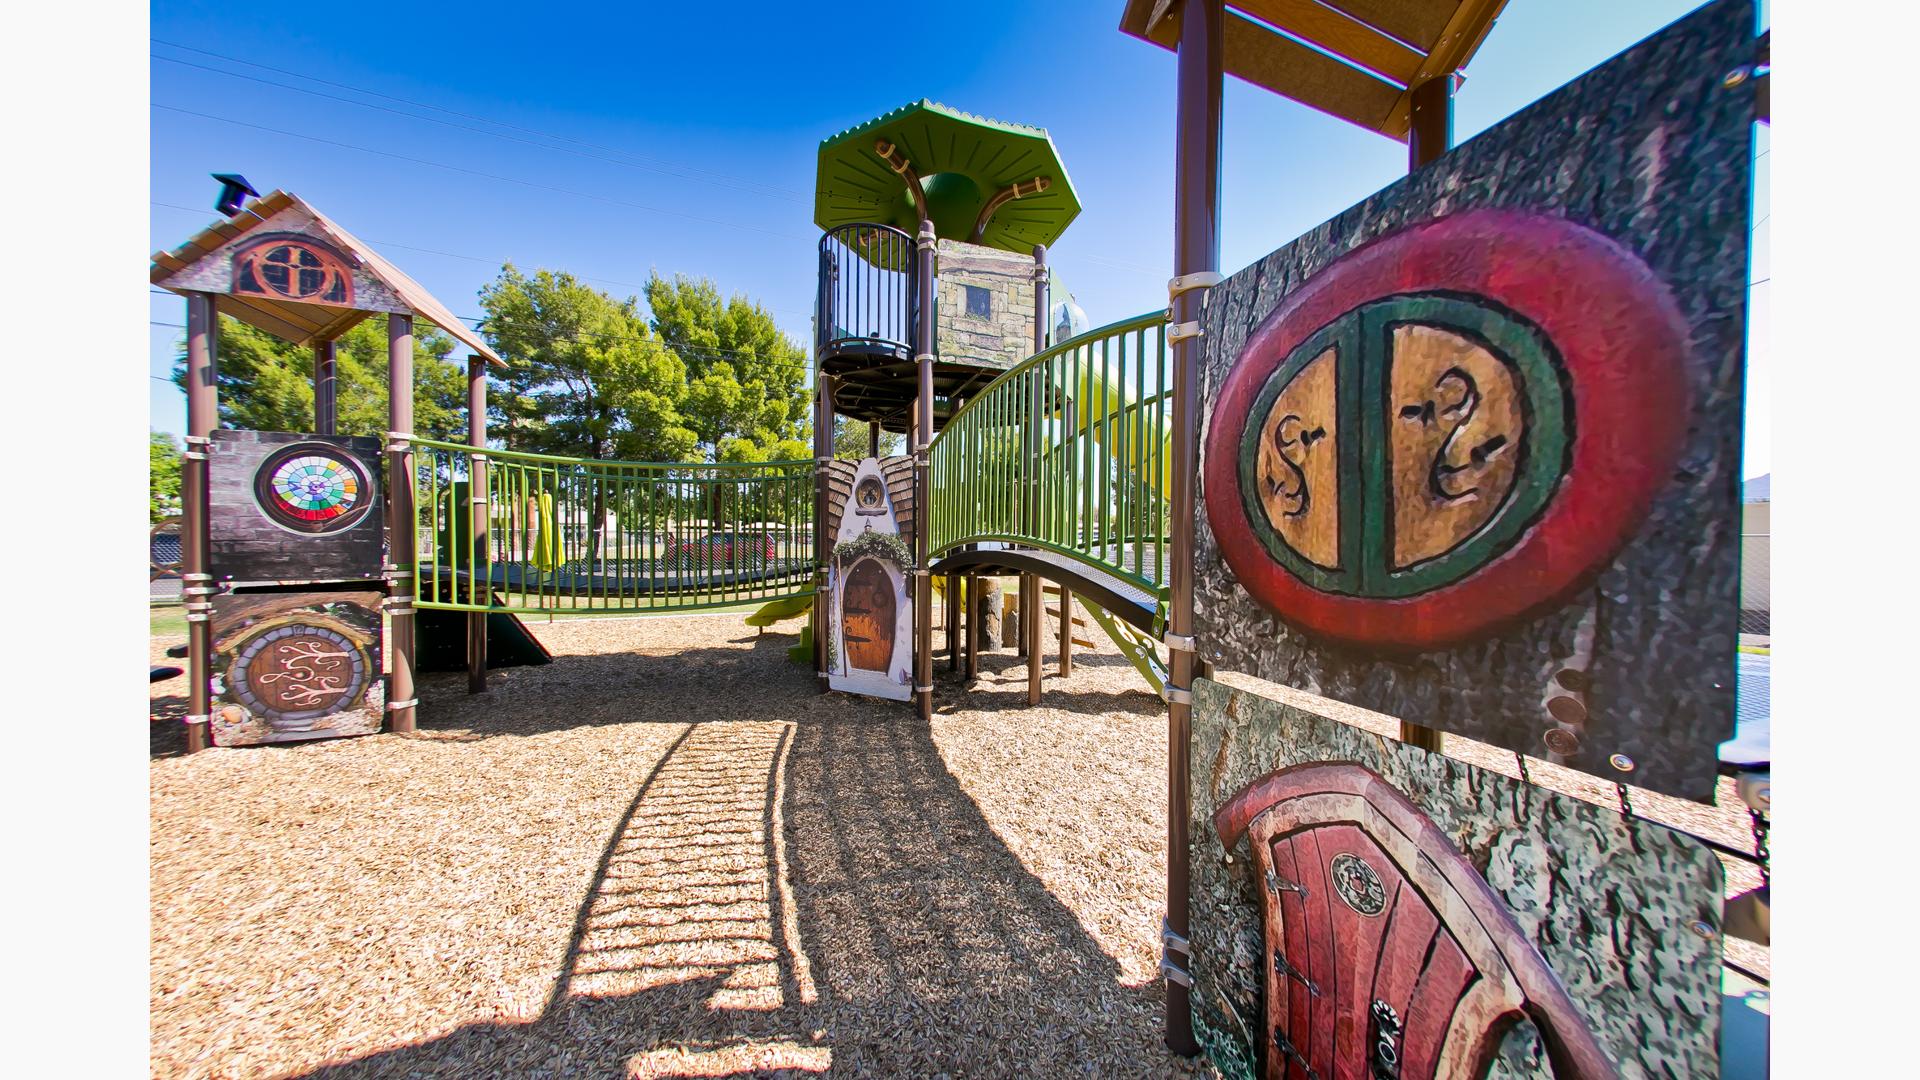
pixel 1339 34
pixel 1419 23
pixel 1458 41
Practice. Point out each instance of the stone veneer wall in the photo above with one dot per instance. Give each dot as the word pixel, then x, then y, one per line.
pixel 1006 337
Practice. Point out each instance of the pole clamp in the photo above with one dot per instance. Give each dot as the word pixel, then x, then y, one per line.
pixel 1174 972
pixel 198 616
pixel 1199 279
pixel 199 590
pixel 925 358
pixel 198 718
pixel 482 458
pixel 196 440
pixel 479 500
pixel 923 689
pixel 1173 940
pixel 822 460
pixel 196 577
pixel 396 706
pixel 1180 332
pixel 1177 695
pixel 1178 642
pixel 193 455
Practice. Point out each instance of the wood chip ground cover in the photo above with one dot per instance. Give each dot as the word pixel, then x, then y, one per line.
pixel 665 855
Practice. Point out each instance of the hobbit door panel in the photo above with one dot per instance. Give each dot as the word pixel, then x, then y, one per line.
pixel 1386 953
pixel 867 613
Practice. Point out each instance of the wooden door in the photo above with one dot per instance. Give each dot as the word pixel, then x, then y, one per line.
pixel 1387 955
pixel 867 617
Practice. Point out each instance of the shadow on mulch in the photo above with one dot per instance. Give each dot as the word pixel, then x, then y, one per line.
pixel 890 931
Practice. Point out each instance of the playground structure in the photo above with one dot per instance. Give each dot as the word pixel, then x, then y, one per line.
pixel 1329 537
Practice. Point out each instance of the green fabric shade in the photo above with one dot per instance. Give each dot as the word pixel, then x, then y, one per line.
pixel 963 161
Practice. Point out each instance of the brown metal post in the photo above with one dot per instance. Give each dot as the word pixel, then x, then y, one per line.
pixel 873 438
pixel 1066 631
pixel 923 494
pixel 196 575
pixel 822 455
pixel 976 611
pixel 478 499
pixel 326 391
pixel 1196 250
pixel 1035 617
pixel 400 539
pixel 952 618
pixel 1428 138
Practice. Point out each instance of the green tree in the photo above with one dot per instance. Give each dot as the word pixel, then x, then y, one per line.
pixel 163 477
pixel 266 382
pixel 851 440
pixel 747 383
pixel 587 376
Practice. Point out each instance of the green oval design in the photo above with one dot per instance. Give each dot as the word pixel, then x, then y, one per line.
pixel 1363 343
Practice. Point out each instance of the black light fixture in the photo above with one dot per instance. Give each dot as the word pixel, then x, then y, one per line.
pixel 233 189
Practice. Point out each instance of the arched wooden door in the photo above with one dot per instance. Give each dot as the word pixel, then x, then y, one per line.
pixel 867 617
pixel 1387 953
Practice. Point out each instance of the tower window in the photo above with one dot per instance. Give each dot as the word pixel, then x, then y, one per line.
pixel 979 302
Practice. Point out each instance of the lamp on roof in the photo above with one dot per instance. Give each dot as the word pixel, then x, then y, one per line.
pixel 233 191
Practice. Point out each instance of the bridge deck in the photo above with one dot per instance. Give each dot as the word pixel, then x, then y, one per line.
pixel 1124 599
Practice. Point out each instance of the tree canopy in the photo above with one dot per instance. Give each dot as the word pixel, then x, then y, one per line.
pixel 163 477
pixel 266 383
pixel 704 379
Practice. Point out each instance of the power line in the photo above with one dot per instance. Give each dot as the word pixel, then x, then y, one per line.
pixel 456 112
pixel 750 188
pixel 477 172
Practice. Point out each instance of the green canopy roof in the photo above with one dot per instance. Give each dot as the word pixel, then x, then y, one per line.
pixel 965 163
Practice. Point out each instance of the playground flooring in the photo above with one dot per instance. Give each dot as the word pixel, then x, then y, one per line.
pixel 665 855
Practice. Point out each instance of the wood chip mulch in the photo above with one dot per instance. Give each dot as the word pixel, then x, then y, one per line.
pixel 666 855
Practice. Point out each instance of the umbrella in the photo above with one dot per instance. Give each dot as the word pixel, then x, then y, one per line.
pixel 982 181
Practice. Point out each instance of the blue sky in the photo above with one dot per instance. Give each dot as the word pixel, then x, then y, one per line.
pixel 682 137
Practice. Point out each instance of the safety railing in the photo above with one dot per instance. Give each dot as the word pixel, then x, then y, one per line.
pixel 566 534
pixel 1069 452
pixel 867 297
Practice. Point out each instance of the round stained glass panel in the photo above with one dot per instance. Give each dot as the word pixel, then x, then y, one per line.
pixel 312 488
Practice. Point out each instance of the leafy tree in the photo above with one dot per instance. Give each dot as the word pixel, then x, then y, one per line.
pixel 266 382
pixel 587 376
pixel 851 440
pixel 747 383
pixel 163 477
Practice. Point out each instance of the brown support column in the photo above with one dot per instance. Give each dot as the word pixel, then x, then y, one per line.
pixel 400 540
pixel 1035 617
pixel 1196 249
pixel 196 575
pixel 325 389
pixel 976 611
pixel 923 498
pixel 1429 137
pixel 822 454
pixel 479 499
pixel 1066 631
pixel 952 619
pixel 873 438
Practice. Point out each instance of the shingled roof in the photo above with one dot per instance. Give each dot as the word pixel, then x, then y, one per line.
pixel 216 260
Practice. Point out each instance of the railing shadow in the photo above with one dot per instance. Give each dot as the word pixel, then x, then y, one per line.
pixel 797 889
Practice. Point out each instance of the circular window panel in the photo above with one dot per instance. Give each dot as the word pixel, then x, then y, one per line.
pixel 1447 429
pixel 299 671
pixel 313 488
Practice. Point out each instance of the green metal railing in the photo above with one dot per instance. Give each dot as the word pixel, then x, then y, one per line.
pixel 566 534
pixel 1068 452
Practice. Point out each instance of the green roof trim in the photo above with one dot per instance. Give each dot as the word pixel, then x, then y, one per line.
pixel 963 161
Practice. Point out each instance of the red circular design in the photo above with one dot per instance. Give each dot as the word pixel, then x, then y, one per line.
pixel 1623 343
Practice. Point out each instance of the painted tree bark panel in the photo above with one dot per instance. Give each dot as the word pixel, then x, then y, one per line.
pixel 1531 459
pixel 1608 903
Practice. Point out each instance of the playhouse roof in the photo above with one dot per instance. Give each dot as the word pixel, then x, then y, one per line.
pixel 1353 59
pixel 206 263
pixel 963 161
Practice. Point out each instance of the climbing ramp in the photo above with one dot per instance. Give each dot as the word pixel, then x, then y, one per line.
pixel 1060 467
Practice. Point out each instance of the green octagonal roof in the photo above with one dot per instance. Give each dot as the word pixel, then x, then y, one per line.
pixel 963 162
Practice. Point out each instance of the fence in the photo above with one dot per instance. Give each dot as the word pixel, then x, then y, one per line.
pixel 566 534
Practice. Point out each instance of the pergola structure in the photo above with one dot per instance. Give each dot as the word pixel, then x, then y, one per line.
pixel 278 264
pixel 1390 66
